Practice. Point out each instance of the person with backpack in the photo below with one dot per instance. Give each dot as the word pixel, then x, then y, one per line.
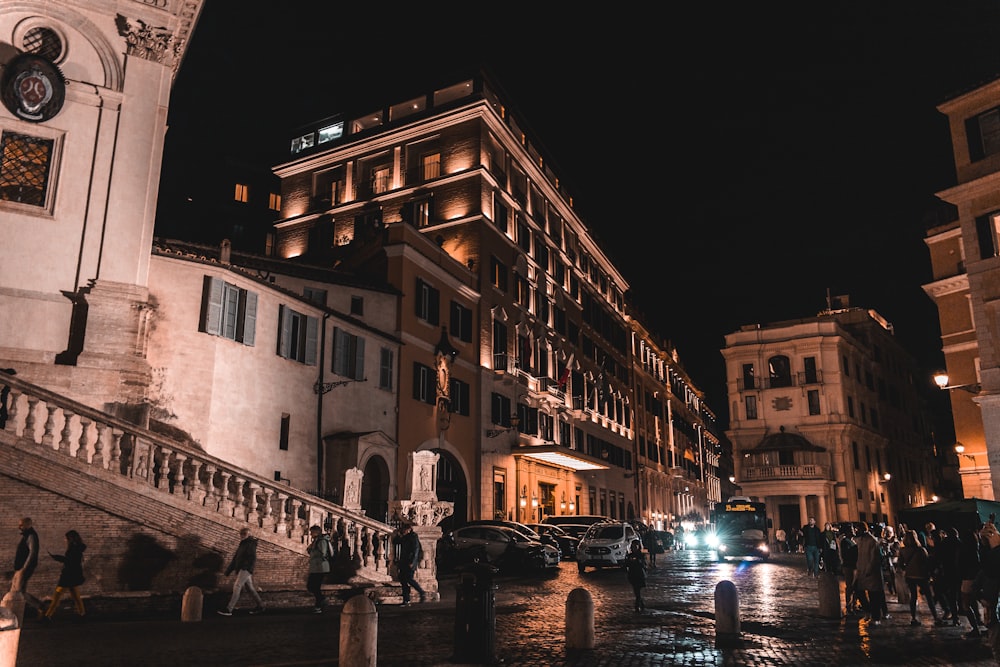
pixel 320 553
pixel 409 553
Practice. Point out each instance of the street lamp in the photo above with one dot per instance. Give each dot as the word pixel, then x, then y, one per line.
pixel 494 432
pixel 941 379
pixel 960 449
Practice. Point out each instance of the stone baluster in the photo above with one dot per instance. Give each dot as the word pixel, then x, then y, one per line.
pixel 252 516
pixel 281 527
pixel 98 458
pixel 297 529
pixel 178 485
pixel 225 505
pixel 163 476
pixel 209 497
pixel 48 437
pixel 366 546
pixel 239 498
pixel 29 419
pixel 115 462
pixel 64 444
pixel 267 519
pixel 11 425
pixel 83 444
pixel 196 494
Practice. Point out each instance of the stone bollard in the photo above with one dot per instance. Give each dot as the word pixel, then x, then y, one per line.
pixel 727 613
pixel 14 600
pixel 10 637
pixel 359 633
pixel 191 605
pixel 579 620
pixel 829 595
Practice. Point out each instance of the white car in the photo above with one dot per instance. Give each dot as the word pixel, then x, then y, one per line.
pixel 605 545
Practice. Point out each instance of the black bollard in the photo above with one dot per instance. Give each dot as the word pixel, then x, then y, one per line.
pixel 475 614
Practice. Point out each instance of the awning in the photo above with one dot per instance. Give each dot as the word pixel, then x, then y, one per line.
pixel 562 457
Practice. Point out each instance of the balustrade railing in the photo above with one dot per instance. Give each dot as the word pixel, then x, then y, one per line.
pixel 775 472
pixel 126 451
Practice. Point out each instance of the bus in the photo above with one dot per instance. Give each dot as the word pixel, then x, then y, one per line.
pixel 741 528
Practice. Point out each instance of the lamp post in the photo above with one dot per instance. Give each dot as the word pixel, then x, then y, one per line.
pixel 941 379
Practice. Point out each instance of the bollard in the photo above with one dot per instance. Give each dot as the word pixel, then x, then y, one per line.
pixel 359 633
pixel 829 595
pixel 14 600
pixel 579 620
pixel 475 614
pixel 10 637
pixel 727 613
pixel 191 605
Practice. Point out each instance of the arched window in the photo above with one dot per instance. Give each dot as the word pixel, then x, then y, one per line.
pixel 779 371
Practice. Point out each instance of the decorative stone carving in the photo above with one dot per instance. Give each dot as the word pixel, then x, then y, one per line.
pixel 352 489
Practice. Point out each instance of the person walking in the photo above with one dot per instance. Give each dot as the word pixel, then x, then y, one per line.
pixel 652 545
pixel 25 563
pixel 781 540
pixel 408 557
pixel 946 573
pixel 890 547
pixel 869 576
pixel 812 541
pixel 635 572
pixel 849 566
pixel 320 551
pixel 71 577
pixel 830 552
pixel 242 564
pixel 968 569
pixel 916 564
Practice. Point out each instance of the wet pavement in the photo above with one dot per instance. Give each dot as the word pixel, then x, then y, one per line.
pixel 779 618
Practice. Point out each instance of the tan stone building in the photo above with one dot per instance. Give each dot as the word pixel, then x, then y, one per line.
pixel 965 261
pixel 825 419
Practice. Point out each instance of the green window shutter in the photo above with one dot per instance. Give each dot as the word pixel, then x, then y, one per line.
pixel 250 319
pixel 312 334
pixel 211 306
pixel 359 359
pixel 284 331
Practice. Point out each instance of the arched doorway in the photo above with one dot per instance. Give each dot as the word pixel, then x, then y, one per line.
pixel 452 487
pixel 375 489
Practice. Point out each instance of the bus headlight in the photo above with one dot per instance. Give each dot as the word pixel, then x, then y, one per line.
pixel 712 540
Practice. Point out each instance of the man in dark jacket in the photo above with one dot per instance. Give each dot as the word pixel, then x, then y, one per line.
pixel 242 564
pixel 812 540
pixel 849 565
pixel 869 576
pixel 408 560
pixel 25 562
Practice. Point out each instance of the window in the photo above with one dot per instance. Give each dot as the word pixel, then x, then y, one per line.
pixel 315 295
pixel 430 166
pixel 500 361
pixel 357 305
pixel 499 214
pixel 850 406
pixel 385 368
pixel 422 213
pixel 380 180
pixel 274 201
pixel 299 144
pixel 499 493
pixel 523 235
pixel 813 398
pixel 810 366
pixel 546 427
pixel 427 303
pixel 331 132
pixel 987 232
pixel 500 410
pixel 749 382
pixel 424 383
pixel 461 322
pixel 522 294
pixel 498 271
pixel 285 429
pixel 780 371
pixel 297 335
pixel 983 134
pixel 348 355
pixel 242 191
pixel 228 311
pixel 751 407
pixel 459 394
pixel 25 164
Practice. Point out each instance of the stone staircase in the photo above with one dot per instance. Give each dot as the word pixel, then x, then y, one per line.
pixel 132 493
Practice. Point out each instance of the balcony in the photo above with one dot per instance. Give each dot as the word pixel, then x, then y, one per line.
pixel 785 472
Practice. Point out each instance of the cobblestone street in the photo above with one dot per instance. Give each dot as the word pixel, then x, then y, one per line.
pixel 779 621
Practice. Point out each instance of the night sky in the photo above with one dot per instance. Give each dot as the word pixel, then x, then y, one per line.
pixel 737 163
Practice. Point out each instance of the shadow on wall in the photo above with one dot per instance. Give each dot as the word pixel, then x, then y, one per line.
pixel 143 560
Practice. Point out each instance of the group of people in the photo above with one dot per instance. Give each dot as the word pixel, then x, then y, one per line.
pixel 70 577
pixel 955 573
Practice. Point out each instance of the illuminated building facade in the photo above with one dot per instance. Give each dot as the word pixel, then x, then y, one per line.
pixel 826 420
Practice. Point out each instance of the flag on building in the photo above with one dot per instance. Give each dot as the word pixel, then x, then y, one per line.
pixel 564 376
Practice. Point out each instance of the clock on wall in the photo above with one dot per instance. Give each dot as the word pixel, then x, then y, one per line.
pixel 32 88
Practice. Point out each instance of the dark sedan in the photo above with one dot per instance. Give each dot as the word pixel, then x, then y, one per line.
pixel 567 542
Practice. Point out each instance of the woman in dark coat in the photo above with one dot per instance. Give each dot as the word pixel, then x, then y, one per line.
pixel 71 576
pixel 635 571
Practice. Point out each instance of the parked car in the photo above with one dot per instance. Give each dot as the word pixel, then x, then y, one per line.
pixel 577 530
pixel 520 527
pixel 605 545
pixel 666 539
pixel 506 548
pixel 584 519
pixel 567 543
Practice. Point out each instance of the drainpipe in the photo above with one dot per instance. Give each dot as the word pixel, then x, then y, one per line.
pixel 320 458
